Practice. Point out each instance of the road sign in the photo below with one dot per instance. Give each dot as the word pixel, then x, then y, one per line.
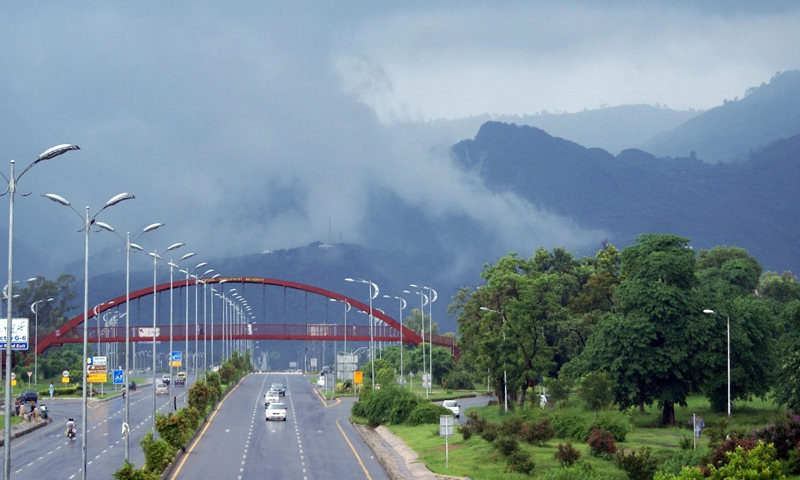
pixel 30 374
pixel 176 358
pixel 19 334
pixel 65 373
pixel 358 377
pixel 97 377
pixel 119 378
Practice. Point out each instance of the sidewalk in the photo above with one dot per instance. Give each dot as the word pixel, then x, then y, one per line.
pixel 400 461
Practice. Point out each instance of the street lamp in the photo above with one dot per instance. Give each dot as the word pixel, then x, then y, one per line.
pixel 87 226
pixel 423 300
pixel 172 266
pixel 196 324
pixel 402 307
pixel 12 190
pixel 35 311
pixel 128 245
pixel 432 297
pixel 156 258
pixel 372 296
pixel 346 309
pixel 188 273
pixel 505 380
pixel 205 320
pixel 712 312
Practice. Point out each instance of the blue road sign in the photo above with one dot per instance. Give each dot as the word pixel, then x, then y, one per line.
pixel 119 377
pixel 176 356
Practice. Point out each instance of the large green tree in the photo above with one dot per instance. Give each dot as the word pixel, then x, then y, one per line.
pixel 649 344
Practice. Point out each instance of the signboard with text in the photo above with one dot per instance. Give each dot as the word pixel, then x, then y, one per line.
pixel 19 334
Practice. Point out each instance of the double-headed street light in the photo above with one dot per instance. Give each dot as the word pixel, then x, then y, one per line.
pixel 423 300
pixel 188 273
pixel 12 190
pixel 128 246
pixel 35 310
pixel 346 309
pixel 712 312
pixel 372 296
pixel 172 266
pixel 402 307
pixel 87 227
pixel 432 295
pixel 156 258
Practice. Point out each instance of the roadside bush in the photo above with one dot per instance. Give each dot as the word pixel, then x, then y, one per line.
pixel 174 429
pixel 128 471
pixel 202 395
pixel 375 405
pixel 403 404
pixel 426 413
pixel 638 464
pixel 344 387
pixel 719 455
pixel 512 426
pixel 521 462
pixel 784 435
pixel 506 444
pixel 579 471
pixel 614 422
pixel 601 444
pixel 213 380
pixel 477 423
pixel 158 454
pixel 466 431
pixel 227 374
pixel 567 454
pixel 538 433
pixel 570 424
pixel 458 379
pixel 757 464
pixel 683 458
pixel 192 416
pixel 490 432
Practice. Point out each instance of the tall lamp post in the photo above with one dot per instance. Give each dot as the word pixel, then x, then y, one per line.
pixel 35 310
pixel 12 190
pixel 505 380
pixel 156 258
pixel 372 296
pixel 188 273
pixel 346 309
pixel 172 266
pixel 712 312
pixel 128 246
pixel 87 227
pixel 423 300
pixel 402 307
pixel 432 296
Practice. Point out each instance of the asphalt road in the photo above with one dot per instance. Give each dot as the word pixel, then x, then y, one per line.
pixel 47 453
pixel 315 442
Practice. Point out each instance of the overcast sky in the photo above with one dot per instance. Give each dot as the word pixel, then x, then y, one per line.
pixel 248 126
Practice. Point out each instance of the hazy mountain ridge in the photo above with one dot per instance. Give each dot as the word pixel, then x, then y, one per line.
pixel 729 133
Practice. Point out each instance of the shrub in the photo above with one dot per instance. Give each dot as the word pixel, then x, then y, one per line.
pixel 458 379
pixel 538 433
pixel 506 444
pixel 477 423
pixel 567 454
pixel 638 464
pixel 202 395
pixel 757 464
pixel 466 431
pixel 489 432
pixel 580 471
pixel 684 458
pixel 569 424
pixel 616 423
pixel 158 454
pixel 601 443
pixel 784 435
pixel 426 413
pixel 128 471
pixel 719 456
pixel 521 462
pixel 559 388
pixel 174 429
pixel 512 426
pixel 403 404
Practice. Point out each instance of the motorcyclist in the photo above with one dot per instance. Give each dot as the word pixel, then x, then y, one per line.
pixel 70 427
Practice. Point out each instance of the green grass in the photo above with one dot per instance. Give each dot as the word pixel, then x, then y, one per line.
pixel 479 460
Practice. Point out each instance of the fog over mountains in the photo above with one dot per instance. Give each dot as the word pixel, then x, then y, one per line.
pixel 740 192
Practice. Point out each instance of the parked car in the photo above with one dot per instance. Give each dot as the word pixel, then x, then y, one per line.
pixel 180 378
pixel 132 386
pixel 271 397
pixel 276 411
pixel 166 378
pixel 162 388
pixel 325 370
pixel 279 387
pixel 28 396
pixel 453 406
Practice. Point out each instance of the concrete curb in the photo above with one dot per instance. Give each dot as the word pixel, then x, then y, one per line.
pixel 399 460
pixel 24 427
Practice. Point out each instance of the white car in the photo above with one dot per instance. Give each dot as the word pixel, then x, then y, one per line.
pixel 162 389
pixel 271 397
pixel 276 411
pixel 453 406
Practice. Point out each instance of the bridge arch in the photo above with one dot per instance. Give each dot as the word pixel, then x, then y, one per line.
pixel 70 332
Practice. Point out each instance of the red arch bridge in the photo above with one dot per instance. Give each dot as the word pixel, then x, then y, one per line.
pixel 211 327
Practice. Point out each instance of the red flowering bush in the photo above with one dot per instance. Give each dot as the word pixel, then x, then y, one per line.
pixel 601 443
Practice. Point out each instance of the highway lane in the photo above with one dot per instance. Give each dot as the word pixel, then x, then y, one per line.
pixel 43 452
pixel 315 442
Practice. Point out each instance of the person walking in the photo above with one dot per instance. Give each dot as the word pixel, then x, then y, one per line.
pixel 699 424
